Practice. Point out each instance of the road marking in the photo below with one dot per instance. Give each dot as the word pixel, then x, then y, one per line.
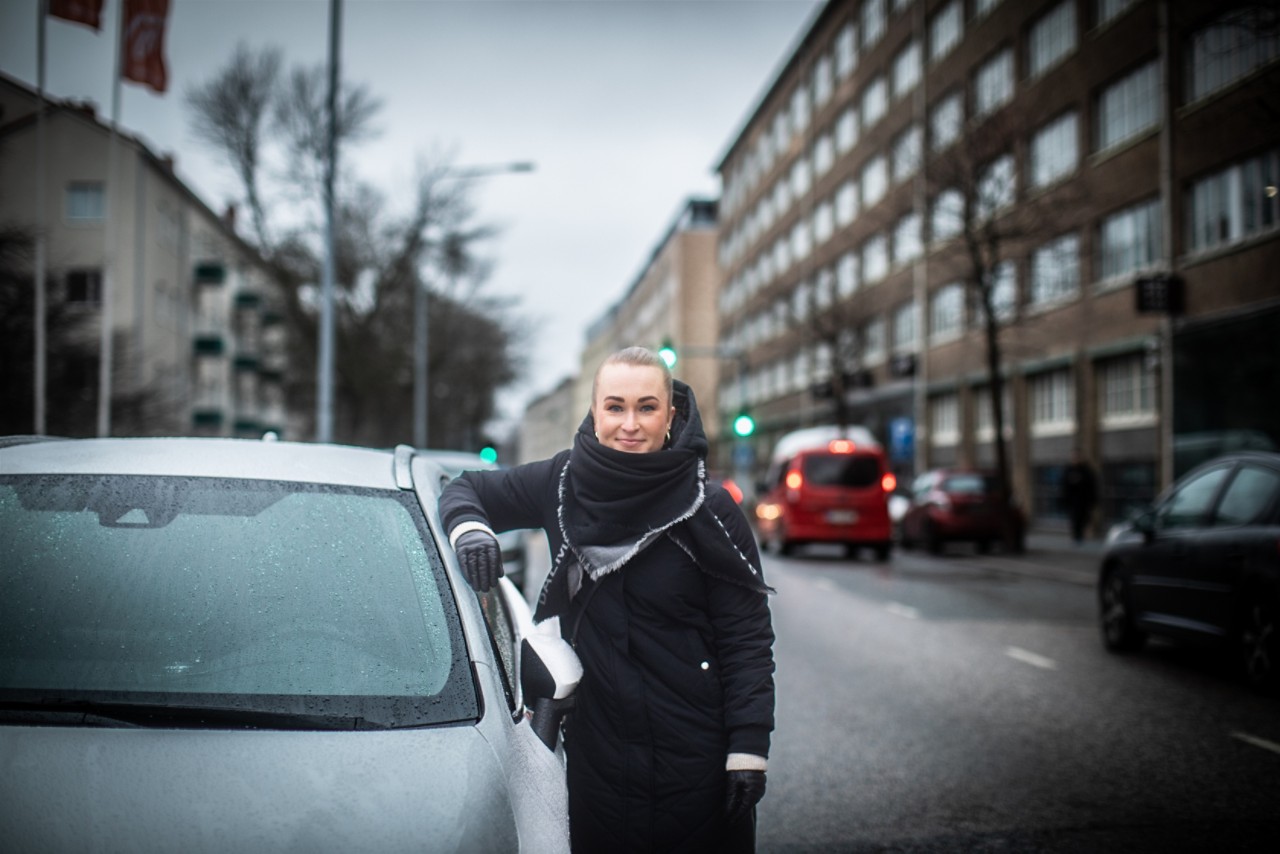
pixel 900 610
pixel 1031 658
pixel 1257 742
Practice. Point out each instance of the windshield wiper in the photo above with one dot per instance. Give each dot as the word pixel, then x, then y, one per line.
pixel 78 712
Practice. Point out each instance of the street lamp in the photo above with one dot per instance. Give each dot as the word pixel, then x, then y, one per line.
pixel 420 328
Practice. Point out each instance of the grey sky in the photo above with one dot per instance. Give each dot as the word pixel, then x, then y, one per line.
pixel 624 106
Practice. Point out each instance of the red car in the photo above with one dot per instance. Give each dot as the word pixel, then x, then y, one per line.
pixel 960 505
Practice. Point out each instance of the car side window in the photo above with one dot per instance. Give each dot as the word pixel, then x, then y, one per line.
pixel 502 636
pixel 1189 507
pixel 1249 496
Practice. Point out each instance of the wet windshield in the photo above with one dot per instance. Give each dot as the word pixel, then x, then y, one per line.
pixel 268 596
pixel 852 470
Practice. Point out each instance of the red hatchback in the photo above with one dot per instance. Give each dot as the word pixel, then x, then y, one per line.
pixel 836 492
pixel 959 505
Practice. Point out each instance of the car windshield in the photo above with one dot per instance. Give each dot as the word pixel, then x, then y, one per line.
pixel 968 484
pixel 854 470
pixel 202 593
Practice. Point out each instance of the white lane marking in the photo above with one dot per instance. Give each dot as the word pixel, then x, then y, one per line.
pixel 900 610
pixel 1031 658
pixel 1257 742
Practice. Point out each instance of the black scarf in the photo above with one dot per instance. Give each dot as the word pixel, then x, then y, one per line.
pixel 614 504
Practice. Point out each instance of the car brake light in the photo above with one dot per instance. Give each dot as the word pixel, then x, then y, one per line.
pixel 889 482
pixel 735 492
pixel 841 446
pixel 794 480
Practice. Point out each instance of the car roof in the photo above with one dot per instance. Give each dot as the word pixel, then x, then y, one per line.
pixel 818 438
pixel 205 457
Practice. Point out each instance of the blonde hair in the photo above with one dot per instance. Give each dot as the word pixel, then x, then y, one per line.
pixel 640 357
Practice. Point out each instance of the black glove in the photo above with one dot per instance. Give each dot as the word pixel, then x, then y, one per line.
pixel 480 558
pixel 744 791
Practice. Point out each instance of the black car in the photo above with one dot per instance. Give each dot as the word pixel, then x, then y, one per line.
pixel 1202 565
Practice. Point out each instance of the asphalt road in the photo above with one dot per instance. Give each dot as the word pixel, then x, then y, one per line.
pixel 965 703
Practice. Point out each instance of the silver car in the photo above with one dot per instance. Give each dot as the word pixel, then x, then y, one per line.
pixel 225 645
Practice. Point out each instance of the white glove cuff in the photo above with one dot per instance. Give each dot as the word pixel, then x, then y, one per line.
pixel 467 527
pixel 746 762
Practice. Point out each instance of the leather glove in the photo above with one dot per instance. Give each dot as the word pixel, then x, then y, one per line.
pixel 480 557
pixel 744 791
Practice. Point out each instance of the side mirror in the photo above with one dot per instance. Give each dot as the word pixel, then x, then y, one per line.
pixel 1145 524
pixel 549 673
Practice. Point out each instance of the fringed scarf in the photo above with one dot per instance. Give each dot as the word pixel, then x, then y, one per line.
pixel 614 504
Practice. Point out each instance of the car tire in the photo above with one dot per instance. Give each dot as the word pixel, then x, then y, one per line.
pixel 1260 648
pixel 883 551
pixel 1115 618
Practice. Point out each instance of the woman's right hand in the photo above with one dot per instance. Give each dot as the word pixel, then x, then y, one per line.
pixel 480 557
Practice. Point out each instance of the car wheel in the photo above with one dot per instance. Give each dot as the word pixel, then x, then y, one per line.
pixel 1119 634
pixel 883 551
pixel 1260 642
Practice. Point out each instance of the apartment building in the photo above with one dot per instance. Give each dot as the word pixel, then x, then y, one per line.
pixel 198 343
pixel 672 300
pixel 1097 177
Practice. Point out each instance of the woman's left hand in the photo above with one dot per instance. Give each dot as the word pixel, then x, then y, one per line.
pixel 744 791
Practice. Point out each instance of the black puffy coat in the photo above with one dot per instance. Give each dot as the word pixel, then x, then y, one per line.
pixel 678 672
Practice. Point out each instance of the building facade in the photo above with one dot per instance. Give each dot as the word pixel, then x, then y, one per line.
pixel 197 342
pixel 1096 178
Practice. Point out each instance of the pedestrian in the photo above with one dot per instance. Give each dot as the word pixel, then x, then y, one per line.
pixel 1080 491
pixel 656 579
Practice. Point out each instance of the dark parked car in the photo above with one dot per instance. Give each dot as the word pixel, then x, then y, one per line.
pixel 1202 565
pixel 959 505
pixel 212 645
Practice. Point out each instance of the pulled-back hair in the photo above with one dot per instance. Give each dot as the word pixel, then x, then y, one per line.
pixel 640 357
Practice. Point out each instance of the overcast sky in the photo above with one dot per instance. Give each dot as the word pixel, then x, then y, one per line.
pixel 624 107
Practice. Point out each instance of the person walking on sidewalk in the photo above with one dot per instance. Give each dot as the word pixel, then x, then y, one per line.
pixel 657 582
pixel 1080 490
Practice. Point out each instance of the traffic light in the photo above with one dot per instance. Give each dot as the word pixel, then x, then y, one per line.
pixel 744 425
pixel 667 352
pixel 489 454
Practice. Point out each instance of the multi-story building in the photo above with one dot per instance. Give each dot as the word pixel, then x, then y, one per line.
pixel 1103 172
pixel 197 339
pixel 548 424
pixel 672 300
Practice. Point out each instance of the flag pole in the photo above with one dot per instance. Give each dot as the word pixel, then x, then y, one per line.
pixel 109 237
pixel 41 309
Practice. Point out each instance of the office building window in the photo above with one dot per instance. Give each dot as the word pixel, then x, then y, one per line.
pixel 1129 240
pixel 873 22
pixel 84 287
pixel 1229 49
pixel 983 416
pixel 822 82
pixel 875 101
pixel 1126 392
pixel 993 86
pixel 906 329
pixel 1054 151
pixel 1234 203
pixel 906 69
pixel 801 177
pixel 1111 9
pixel 946 313
pixel 846 203
pixel 1053 403
pixel 801 240
pixel 907 242
pixel 875 259
pixel 1055 272
pixel 781 197
pixel 781 130
pixel 823 154
pixel 997 187
pixel 847 274
pixel 846 51
pixel 823 222
pixel 1004 291
pixel 873 345
pixel 86 201
pixel 875 180
pixel 946 121
pixel 944 420
pixel 945 30
pixel 846 130
pixel 907 153
pixel 1129 107
pixel 1052 37
pixel 800 110
pixel 946 219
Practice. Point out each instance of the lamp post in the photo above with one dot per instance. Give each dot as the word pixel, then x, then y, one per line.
pixel 421 367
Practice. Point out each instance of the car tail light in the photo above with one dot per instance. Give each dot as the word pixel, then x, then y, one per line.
pixel 735 491
pixel 794 480
pixel 841 446
pixel 888 482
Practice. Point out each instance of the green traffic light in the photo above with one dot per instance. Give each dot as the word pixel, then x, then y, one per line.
pixel 489 454
pixel 744 425
pixel 668 353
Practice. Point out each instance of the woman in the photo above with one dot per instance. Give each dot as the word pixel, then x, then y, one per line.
pixel 656 578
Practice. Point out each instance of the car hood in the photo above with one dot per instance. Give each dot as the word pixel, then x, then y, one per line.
pixel 64 789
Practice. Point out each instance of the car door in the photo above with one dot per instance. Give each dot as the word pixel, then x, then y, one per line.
pixel 1162 568
pixel 1241 533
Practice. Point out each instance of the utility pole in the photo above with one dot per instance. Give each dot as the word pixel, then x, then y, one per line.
pixel 324 379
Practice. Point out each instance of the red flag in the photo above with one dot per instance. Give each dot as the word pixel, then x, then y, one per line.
pixel 87 12
pixel 143 43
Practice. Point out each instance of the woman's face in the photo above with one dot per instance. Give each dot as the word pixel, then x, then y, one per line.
pixel 631 409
